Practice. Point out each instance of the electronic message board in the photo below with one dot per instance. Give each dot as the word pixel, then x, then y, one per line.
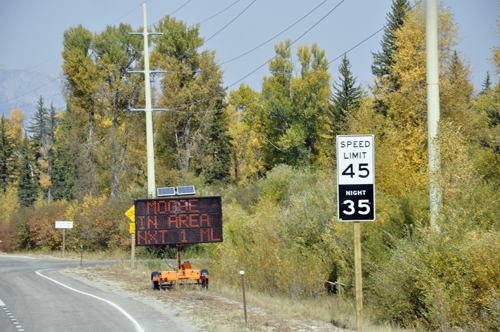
pixel 176 220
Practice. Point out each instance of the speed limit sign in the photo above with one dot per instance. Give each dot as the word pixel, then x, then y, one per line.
pixel 355 178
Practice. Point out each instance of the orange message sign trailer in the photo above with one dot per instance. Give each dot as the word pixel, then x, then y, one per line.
pixel 178 220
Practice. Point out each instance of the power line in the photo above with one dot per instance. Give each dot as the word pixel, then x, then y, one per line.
pixel 252 72
pixel 24 94
pixel 211 17
pixel 126 14
pixel 372 35
pixel 244 10
pixel 296 40
pixel 262 44
pixel 175 11
pixel 57 94
pixel 270 39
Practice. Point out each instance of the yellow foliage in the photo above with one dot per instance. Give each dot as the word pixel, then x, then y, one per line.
pixel 9 203
pixel 45 181
pixel 16 126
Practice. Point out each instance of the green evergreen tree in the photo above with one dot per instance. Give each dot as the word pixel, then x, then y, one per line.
pixel 7 157
pixel 64 160
pixel 347 95
pixel 486 84
pixel 27 187
pixel 63 175
pixel 39 125
pixel 218 149
pixel 383 60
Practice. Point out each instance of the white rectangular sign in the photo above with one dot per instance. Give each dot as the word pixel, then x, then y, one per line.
pixel 64 224
pixel 355 177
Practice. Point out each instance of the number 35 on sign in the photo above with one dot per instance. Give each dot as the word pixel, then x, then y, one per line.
pixel 355 178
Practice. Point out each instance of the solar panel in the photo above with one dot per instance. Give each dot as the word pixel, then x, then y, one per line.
pixel 170 191
pixel 187 190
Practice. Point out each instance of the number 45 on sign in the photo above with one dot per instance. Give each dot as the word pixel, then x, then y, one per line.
pixel 355 178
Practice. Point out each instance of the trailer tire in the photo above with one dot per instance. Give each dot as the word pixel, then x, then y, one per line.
pixel 204 283
pixel 155 284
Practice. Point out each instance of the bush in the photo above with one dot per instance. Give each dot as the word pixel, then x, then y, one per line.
pixel 99 224
pixel 440 280
pixel 287 243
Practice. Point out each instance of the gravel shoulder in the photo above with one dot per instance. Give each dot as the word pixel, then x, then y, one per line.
pixel 206 310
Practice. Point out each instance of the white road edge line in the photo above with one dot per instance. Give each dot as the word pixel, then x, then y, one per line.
pixel 138 328
pixel 17 256
pixel 2 304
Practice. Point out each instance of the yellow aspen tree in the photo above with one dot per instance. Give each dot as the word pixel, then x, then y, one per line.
pixel 16 121
pixel 405 135
pixel 246 155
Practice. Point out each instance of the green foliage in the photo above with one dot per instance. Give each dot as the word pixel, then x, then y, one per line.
pixel 27 180
pixel 193 89
pixel 286 242
pixel 346 98
pixel 288 120
pixel 440 280
pixel 7 157
pixel 99 90
pixel 382 61
pixel 38 128
pixel 63 175
pixel 218 151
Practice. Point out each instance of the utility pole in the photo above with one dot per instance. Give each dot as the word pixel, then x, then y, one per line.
pixel 148 110
pixel 435 197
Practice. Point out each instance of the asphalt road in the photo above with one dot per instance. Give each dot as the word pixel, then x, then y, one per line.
pixel 35 296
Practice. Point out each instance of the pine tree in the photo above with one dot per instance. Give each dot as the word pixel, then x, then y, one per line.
pixel 63 175
pixel 38 126
pixel 7 157
pixel 27 187
pixel 347 95
pixel 219 151
pixel 65 170
pixel 486 84
pixel 383 60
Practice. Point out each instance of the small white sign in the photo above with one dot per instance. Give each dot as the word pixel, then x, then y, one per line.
pixel 64 224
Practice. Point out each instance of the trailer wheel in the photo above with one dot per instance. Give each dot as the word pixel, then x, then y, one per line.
pixel 204 284
pixel 155 284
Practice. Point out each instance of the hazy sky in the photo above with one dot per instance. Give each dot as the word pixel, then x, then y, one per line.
pixel 32 30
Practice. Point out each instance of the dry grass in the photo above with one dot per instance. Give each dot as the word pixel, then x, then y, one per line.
pixel 221 307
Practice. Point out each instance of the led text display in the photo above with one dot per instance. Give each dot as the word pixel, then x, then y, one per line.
pixel 178 220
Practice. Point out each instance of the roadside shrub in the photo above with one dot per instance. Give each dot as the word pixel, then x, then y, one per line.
pixel 440 280
pixel 288 243
pixel 98 224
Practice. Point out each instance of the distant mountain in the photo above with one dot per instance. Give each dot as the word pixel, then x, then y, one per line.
pixel 22 89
